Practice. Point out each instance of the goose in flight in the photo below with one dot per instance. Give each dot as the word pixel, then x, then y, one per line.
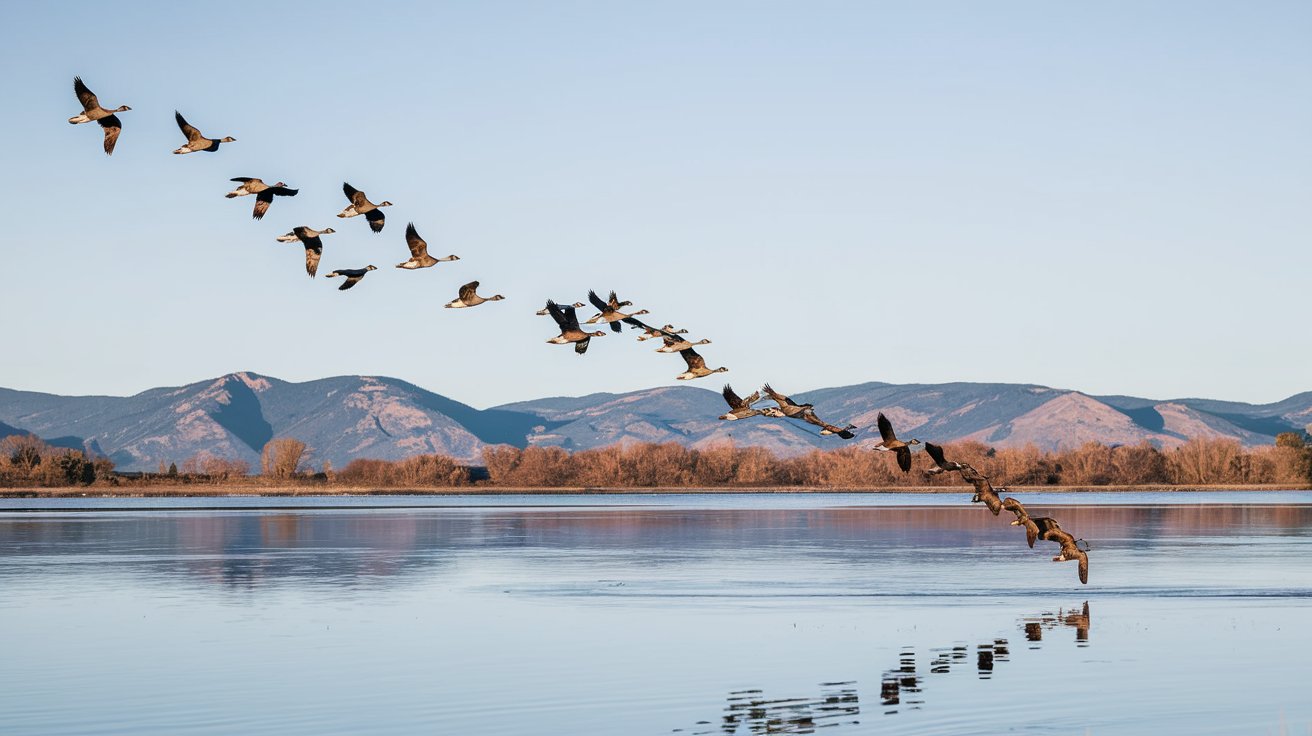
pixel 264 193
pixel 1023 519
pixel 739 408
pixel 696 366
pixel 195 140
pixel 610 311
pixel 787 407
pixel 308 237
pixel 648 332
pixel 984 491
pixel 419 257
pixel 92 111
pixel 353 276
pixel 570 332
pixel 360 205
pixel 544 311
pixel 940 465
pixel 469 298
pixel 890 443
pixel 827 428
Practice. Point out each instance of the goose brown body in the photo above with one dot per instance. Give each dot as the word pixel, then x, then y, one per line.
pixel 93 112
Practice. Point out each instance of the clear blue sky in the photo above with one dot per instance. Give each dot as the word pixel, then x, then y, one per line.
pixel 1112 197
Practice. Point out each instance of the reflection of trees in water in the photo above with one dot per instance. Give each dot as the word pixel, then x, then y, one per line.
pixel 900 687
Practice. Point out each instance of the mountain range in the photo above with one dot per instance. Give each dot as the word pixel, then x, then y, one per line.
pixel 347 417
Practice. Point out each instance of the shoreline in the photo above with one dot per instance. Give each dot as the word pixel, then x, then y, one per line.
pixel 238 490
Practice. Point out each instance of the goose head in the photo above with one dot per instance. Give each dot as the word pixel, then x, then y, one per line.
pixel 495 298
pixel 626 304
pixel 371 268
pixel 721 369
pixel 383 204
pixel 913 442
pixel 227 139
pixel 598 333
pixel 578 305
pixel 702 341
pixel 122 108
pixel 452 257
pixel 281 184
pixel 327 231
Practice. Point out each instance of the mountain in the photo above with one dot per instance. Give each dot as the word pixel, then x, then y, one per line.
pixel 346 417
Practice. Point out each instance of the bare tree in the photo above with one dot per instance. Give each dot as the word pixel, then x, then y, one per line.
pixel 282 457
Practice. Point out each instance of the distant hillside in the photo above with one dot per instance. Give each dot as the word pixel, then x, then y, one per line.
pixel 346 417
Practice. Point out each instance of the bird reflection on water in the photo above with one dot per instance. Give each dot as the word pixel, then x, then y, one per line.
pixel 750 712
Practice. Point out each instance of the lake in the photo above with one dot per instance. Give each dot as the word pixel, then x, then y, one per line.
pixel 640 614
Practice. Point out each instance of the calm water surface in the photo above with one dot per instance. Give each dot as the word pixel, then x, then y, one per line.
pixel 654 615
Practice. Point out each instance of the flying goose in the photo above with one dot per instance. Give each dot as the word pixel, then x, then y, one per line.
pixel 675 344
pixel 313 245
pixel 739 408
pixel 890 443
pixel 610 311
pixel 91 110
pixel 696 366
pixel 648 332
pixel 1070 550
pixel 544 312
pixel 570 332
pixel 360 205
pixel 468 298
pixel 827 428
pixel 353 276
pixel 940 465
pixel 984 491
pixel 195 140
pixel 264 193
pixel 787 407
pixel 1023 519
pixel 419 257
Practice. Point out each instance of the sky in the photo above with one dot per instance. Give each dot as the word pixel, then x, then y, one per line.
pixel 1110 197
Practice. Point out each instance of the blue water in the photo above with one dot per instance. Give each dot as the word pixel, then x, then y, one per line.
pixel 783 613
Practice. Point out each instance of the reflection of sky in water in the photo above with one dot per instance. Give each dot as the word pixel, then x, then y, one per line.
pixel 647 618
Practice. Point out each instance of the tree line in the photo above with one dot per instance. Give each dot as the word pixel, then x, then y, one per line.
pixel 27 461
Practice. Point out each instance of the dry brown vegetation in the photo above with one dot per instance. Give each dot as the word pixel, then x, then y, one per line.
pixel 27 461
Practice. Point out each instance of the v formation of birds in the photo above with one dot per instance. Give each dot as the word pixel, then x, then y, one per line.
pixel 572 333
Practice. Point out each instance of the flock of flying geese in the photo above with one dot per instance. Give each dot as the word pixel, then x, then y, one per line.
pixel 572 332
pixel 1036 527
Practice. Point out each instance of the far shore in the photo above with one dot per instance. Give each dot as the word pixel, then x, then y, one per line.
pixel 222 490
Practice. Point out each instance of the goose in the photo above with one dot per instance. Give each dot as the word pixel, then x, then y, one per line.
pixel 826 428
pixel 739 408
pixel 610 311
pixel 353 276
pixel 674 344
pixel 195 140
pixel 648 332
pixel 696 366
pixel 419 257
pixel 91 110
pixel 940 465
pixel 264 193
pixel 984 491
pixel 570 332
pixel 544 312
pixel 1022 519
pixel 787 407
pixel 468 298
pixel 313 245
pixel 890 443
pixel 360 205
pixel 1070 550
